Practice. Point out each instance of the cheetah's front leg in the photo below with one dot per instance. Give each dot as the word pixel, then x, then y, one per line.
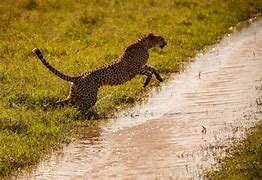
pixel 153 70
pixel 147 73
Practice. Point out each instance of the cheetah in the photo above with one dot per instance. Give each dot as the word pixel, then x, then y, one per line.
pixel 84 88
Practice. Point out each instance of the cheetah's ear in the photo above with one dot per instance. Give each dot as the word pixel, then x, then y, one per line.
pixel 150 35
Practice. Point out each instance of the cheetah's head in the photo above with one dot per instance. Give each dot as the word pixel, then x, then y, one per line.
pixel 156 40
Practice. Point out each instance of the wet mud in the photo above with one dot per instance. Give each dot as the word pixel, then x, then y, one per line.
pixel 180 130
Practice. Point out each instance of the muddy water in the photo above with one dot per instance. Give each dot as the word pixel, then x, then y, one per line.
pixel 171 134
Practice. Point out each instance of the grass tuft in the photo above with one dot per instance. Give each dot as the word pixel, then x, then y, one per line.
pixel 30 4
pixel 244 159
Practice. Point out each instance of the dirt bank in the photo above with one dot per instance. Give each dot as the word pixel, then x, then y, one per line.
pixel 213 101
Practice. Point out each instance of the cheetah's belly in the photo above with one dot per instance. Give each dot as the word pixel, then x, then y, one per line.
pixel 118 78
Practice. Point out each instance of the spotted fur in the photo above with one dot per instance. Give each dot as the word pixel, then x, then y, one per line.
pixel 83 93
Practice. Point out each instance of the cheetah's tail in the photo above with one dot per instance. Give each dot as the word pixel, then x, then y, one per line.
pixel 52 69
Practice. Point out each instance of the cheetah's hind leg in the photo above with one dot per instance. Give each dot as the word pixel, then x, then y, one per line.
pixel 63 103
pixel 90 114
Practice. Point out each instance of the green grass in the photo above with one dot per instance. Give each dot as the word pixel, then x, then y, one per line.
pixel 244 160
pixel 82 35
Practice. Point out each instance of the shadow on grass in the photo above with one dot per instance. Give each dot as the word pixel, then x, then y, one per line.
pixel 49 103
pixel 15 126
pixel 29 102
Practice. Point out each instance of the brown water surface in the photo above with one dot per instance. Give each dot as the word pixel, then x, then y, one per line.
pixel 172 134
